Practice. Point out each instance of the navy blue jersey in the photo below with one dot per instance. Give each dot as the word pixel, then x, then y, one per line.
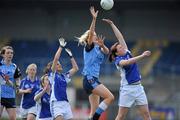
pixel 44 106
pixel 129 73
pixel 27 100
pixel 59 86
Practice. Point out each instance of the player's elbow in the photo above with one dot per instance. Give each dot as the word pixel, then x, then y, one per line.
pixel 76 68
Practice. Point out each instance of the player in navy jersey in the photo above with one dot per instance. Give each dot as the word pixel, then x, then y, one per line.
pixel 42 98
pixel 59 105
pixel 131 90
pixel 9 82
pixel 28 87
pixel 94 52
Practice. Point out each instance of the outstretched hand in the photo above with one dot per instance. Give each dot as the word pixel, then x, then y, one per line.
pixel 68 51
pixel 100 40
pixel 108 21
pixel 93 12
pixel 62 42
pixel 146 53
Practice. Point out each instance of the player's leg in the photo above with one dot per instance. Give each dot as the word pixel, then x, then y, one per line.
pixel 126 100
pixel 102 91
pixel 144 112
pixel 122 112
pixel 94 102
pixel 10 105
pixel 31 116
pixel 142 102
pixel 32 113
pixel 1 110
pixel 59 118
pixel 12 113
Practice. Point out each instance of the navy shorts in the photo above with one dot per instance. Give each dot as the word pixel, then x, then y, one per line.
pixel 8 102
pixel 89 83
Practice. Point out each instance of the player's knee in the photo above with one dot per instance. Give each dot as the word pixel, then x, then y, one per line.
pixel 12 117
pixel 120 117
pixel 146 115
pixel 111 97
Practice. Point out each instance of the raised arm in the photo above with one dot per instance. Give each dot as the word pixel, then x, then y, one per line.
pixel 40 94
pixel 92 27
pixel 117 33
pixel 100 42
pixel 58 53
pixel 134 59
pixel 74 68
pixel 56 59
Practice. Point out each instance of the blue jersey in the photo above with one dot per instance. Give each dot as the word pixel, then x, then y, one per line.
pixel 13 72
pixel 59 84
pixel 130 73
pixel 92 61
pixel 27 100
pixel 44 106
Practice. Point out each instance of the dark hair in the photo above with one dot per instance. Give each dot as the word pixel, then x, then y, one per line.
pixel 3 49
pixel 47 69
pixel 113 51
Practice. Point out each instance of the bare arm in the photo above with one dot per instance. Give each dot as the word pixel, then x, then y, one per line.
pixel 100 42
pixel 56 59
pixel 21 91
pixel 40 94
pixel 134 59
pixel 92 27
pixel 74 68
pixel 117 33
pixel 17 84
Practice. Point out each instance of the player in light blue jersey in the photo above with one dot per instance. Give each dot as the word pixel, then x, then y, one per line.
pixel 28 87
pixel 42 99
pixel 9 77
pixel 59 105
pixel 94 52
pixel 131 90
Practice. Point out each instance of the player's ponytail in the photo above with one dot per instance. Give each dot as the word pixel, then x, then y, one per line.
pixel 83 39
pixel 113 51
pixel 47 69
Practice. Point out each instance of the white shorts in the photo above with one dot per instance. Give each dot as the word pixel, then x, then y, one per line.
pixel 61 108
pixel 132 94
pixel 25 112
pixel 45 118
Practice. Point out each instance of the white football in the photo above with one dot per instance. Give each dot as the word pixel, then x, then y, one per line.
pixel 107 4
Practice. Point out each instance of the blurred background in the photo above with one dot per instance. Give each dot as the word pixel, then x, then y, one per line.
pixel 33 27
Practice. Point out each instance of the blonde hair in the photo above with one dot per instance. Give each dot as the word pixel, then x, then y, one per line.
pixel 83 39
pixel 31 65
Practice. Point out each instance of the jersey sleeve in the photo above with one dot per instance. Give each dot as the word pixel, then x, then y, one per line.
pixel 118 59
pixel 17 73
pixel 22 84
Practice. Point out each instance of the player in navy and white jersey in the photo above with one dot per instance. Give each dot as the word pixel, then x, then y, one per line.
pixel 28 87
pixel 42 99
pixel 59 105
pixel 9 77
pixel 131 90
pixel 94 52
